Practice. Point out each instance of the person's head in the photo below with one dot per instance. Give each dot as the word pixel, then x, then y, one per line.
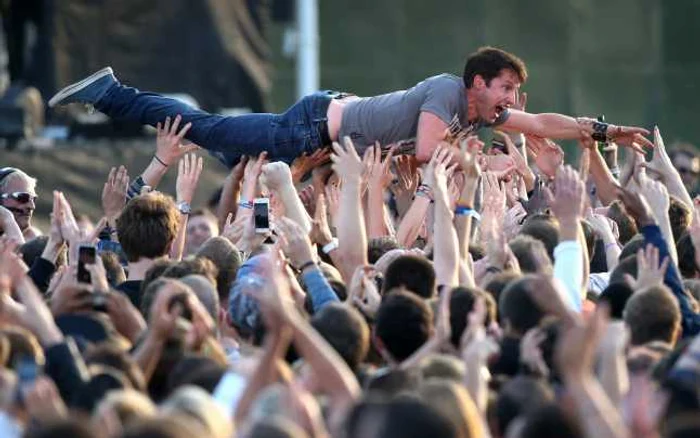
pixel 632 247
pixel 156 271
pixel 626 266
pixel 412 272
pixel 680 217
pixel 461 304
pixel 147 226
pixel 193 266
pixel 113 269
pixel 18 194
pixel 686 257
pixel 550 421
pixel 616 295
pixel 70 426
pixel 103 379
pixel 626 225
pixel 226 258
pixel 518 311
pixel 201 225
pixel 442 366
pixel 685 159
pixel 127 406
pixel 452 400
pixel 531 253
pixel 32 249
pixel 653 314
pixel 379 246
pixel 114 357
pixel 195 370
pixel 345 330
pixel 544 228
pixel 493 77
pixel 410 417
pixel 165 426
pixel 498 282
pixel 403 324
pixel 193 402
pixel 205 292
pixel 157 286
pixel 518 397
pixel 276 427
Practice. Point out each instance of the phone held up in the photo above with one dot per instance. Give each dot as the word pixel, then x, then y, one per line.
pixel 261 215
pixel 86 256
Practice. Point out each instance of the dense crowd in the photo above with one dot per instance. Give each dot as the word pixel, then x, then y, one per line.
pixel 481 290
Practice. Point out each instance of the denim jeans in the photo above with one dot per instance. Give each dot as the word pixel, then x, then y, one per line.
pixel 284 136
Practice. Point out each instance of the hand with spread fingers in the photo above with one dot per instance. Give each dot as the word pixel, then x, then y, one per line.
pixel 170 143
pixel 548 155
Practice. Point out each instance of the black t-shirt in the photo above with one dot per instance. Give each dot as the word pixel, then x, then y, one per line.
pixel 132 289
pixel 508 361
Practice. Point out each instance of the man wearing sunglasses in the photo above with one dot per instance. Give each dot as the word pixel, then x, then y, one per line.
pixel 17 195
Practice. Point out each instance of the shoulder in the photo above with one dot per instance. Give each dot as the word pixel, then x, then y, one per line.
pixel 445 80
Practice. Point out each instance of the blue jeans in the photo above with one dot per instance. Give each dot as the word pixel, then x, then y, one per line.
pixel 284 136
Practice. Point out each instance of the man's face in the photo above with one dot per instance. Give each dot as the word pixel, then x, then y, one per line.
pixel 18 197
pixel 493 99
pixel 199 230
pixel 689 169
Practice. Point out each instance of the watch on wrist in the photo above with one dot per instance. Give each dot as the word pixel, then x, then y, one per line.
pixel 184 207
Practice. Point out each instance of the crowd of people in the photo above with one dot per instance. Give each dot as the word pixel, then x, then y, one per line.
pixel 446 288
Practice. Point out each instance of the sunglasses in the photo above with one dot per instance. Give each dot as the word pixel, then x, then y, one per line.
pixel 21 197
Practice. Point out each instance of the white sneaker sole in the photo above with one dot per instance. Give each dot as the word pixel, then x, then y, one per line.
pixel 74 88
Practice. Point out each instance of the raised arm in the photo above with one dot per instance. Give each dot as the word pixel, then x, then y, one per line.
pixel 189 170
pixel 231 192
pixel 559 126
pixel 379 179
pixel 278 178
pixel 446 251
pixel 352 238
pixel 431 131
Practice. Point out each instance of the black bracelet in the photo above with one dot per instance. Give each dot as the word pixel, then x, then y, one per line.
pixel 600 132
pixel 160 161
pixel 306 265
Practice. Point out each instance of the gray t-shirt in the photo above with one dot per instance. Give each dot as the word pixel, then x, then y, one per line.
pixel 392 119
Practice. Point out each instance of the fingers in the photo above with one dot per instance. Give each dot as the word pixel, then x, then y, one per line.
pixel 176 124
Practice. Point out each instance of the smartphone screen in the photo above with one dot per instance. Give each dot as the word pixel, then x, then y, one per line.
pixel 261 214
pixel 86 256
pixel 27 372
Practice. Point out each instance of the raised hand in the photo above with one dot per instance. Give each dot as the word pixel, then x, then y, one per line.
pixel 363 292
pixel 570 198
pixel 295 242
pixel 276 176
pixel 379 172
pixel 441 158
pixel 518 160
pixel 169 141
pixel 320 230
pixel 649 271
pixel 655 193
pixel 188 172
pixel 114 193
pixel 305 163
pixel 548 155
pixel 407 173
pixel 637 206
pixel 250 177
pixel 346 163
pixel 531 351
pixel 577 345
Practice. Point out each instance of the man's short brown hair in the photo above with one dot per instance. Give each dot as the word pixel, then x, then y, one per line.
pixel 488 62
pixel 147 226
pixel 652 315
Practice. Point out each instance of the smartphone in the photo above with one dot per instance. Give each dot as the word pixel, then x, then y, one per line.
pixel 86 256
pixel 27 372
pixel 261 215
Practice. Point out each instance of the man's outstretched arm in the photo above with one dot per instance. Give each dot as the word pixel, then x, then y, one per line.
pixel 559 126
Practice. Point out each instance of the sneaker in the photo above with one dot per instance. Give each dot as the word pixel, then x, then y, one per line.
pixel 88 91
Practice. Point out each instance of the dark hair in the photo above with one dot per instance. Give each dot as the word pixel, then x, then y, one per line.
pixel 520 396
pixel 616 295
pixel 163 427
pixel 545 228
pixel 551 421
pixel 226 258
pixel 73 426
pixel 114 357
pixel 626 224
pixel 193 369
pixel 345 330
pixel 147 226
pixel 155 272
pixel 652 315
pixel 686 257
pixel 413 273
pixel 497 283
pixel 461 304
pixel 404 323
pixel 32 249
pixel 632 246
pixel 680 217
pixel 488 62
pixel 193 265
pixel 627 265
pixel 590 237
pixel 517 307
pixel 410 417
pixel 379 246
pixel 529 252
